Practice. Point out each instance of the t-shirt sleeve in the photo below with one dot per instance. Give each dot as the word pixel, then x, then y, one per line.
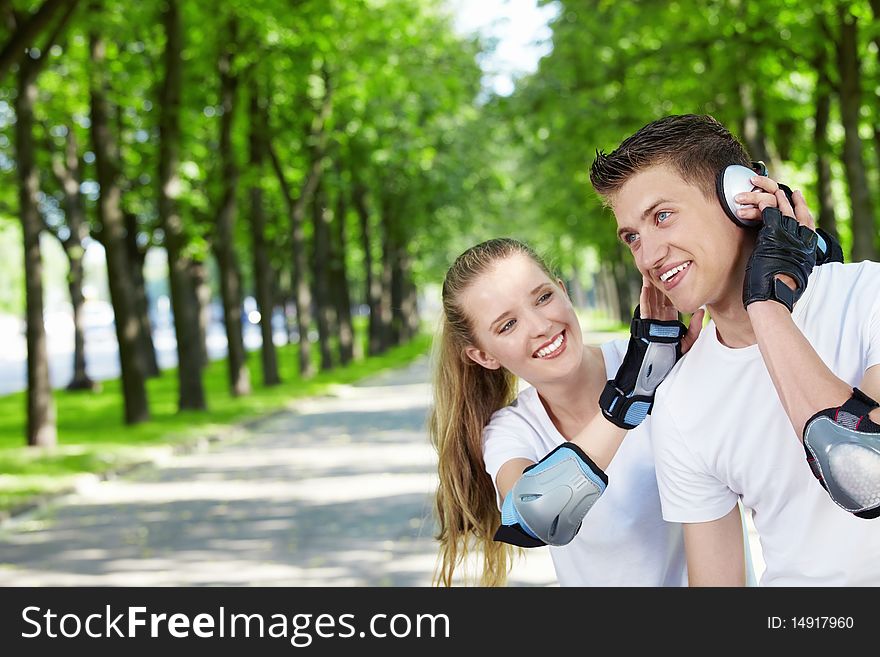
pixel 688 491
pixel 505 438
pixel 873 355
pixel 613 353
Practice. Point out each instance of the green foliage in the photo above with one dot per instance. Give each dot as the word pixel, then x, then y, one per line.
pixel 616 66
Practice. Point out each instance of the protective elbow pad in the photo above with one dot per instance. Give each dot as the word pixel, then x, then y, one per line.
pixel 549 501
pixel 843 450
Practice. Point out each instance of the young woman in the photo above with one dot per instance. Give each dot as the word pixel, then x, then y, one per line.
pixel 507 317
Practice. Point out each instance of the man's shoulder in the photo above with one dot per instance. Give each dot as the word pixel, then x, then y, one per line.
pixel 839 275
pixel 838 289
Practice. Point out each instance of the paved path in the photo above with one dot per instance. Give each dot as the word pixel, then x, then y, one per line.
pixel 337 491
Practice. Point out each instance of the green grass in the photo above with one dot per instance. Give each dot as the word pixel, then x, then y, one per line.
pixel 92 437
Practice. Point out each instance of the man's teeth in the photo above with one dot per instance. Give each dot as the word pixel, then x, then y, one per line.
pixel 672 272
pixel 550 348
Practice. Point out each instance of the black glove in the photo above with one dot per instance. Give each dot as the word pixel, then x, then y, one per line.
pixel 654 348
pixel 828 249
pixel 783 247
pixel 832 252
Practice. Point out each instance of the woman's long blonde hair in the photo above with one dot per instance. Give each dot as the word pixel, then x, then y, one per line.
pixel 465 397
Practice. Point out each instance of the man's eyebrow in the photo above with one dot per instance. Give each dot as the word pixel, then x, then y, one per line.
pixel 648 211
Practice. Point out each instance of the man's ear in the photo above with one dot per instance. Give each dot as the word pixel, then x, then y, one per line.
pixel 481 358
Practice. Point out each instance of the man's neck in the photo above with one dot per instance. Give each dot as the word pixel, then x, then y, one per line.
pixel 733 327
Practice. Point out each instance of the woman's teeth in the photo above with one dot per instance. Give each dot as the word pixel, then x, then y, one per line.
pixel 550 348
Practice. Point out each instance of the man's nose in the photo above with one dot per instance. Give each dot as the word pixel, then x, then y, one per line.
pixel 651 254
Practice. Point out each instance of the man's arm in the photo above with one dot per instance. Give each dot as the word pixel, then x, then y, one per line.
pixel 838 425
pixel 870 385
pixel 715 552
pixel 804 383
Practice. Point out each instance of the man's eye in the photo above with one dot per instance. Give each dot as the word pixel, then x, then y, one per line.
pixel 663 215
pixel 507 325
pixel 629 238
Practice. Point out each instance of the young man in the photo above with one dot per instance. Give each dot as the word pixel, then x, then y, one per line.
pixel 763 380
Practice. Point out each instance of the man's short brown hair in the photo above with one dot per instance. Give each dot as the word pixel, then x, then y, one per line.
pixel 697 146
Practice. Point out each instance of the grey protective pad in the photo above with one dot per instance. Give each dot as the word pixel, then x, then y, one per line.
pixel 553 498
pixel 849 461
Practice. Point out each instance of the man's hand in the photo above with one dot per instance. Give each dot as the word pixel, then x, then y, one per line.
pixel 784 255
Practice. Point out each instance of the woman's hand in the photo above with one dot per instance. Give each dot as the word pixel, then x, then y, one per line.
pixel 653 304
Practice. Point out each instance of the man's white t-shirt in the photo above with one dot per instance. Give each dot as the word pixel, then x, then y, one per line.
pixel 624 540
pixel 720 433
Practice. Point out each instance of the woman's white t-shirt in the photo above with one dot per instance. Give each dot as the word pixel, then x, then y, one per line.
pixel 624 540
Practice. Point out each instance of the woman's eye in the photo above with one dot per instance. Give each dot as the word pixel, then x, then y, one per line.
pixel 663 216
pixel 544 297
pixel 507 325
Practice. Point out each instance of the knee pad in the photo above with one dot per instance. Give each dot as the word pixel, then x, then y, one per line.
pixel 843 450
pixel 551 498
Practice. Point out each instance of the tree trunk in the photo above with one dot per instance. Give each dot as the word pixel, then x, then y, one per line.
pixel 826 218
pixel 224 245
pixel 321 216
pixel 875 9
pixel 263 275
pixel 864 233
pixel 137 256
pixel 409 306
pixel 576 286
pixel 80 380
pixel 41 425
pixel 67 171
pixel 627 283
pixel 606 289
pixel 372 283
pixel 184 305
pixel 386 329
pixel 201 300
pixel 339 278
pixel 26 32
pixel 753 124
pixel 113 235
pixel 296 210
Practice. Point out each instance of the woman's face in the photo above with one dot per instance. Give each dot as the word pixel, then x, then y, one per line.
pixel 523 321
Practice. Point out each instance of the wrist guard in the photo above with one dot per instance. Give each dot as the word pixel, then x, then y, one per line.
pixel 654 348
pixel 783 247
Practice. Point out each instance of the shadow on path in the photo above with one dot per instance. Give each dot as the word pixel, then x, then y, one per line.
pixel 335 492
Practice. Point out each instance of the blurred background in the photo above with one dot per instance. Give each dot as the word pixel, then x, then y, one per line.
pixel 202 202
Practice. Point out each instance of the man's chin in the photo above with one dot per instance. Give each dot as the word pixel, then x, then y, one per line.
pixel 686 306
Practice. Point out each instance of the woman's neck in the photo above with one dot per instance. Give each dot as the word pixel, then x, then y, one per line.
pixel 572 403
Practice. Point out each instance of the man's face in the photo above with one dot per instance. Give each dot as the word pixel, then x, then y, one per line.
pixel 680 240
